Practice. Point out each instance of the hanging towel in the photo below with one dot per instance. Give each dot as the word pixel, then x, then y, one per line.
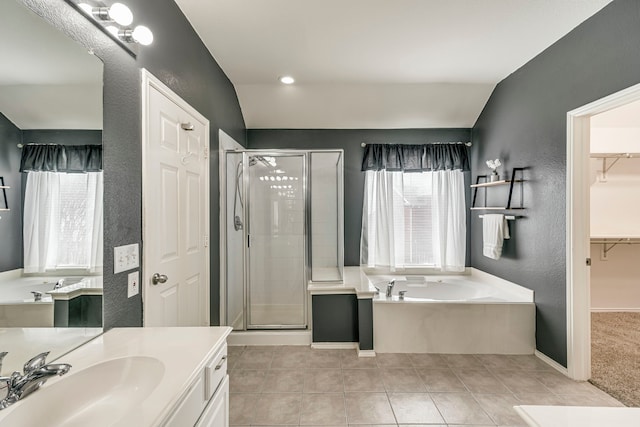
pixel 494 231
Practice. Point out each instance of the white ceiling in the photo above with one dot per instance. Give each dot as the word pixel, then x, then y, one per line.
pixel 47 81
pixel 375 63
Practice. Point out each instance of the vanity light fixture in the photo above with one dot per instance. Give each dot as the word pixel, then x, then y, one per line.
pixel 287 80
pixel 115 19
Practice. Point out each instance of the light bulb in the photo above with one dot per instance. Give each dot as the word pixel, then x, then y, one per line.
pixel 287 80
pixel 121 14
pixel 142 35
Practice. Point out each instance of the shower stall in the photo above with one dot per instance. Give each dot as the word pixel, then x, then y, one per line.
pixel 284 228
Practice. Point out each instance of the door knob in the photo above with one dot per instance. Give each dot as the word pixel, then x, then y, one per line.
pixel 158 278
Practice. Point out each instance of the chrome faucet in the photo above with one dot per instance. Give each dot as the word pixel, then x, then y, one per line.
pixel 36 372
pixel 390 286
pixel 59 284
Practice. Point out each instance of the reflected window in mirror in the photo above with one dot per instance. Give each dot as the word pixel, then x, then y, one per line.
pixel 50 93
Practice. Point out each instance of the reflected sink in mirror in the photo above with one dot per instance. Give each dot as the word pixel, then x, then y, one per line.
pixel 96 396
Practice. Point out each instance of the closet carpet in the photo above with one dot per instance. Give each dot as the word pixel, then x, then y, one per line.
pixel 615 355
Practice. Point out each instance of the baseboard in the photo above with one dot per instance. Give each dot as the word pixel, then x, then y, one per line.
pixel 611 310
pixel 549 361
pixel 269 338
pixel 334 345
pixel 365 353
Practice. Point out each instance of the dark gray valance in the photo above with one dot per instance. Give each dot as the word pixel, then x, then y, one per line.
pixel 415 158
pixel 61 158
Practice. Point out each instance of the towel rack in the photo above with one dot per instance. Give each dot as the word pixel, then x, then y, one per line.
pixel 507 217
pixel 4 193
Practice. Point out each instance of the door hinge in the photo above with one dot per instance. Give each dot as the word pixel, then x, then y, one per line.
pixel 588 262
pixel 248 240
pixel 206 152
pixel 206 241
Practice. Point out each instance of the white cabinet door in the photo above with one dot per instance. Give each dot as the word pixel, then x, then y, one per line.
pixel 216 413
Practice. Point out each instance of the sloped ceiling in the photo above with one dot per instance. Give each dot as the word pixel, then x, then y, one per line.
pixel 375 63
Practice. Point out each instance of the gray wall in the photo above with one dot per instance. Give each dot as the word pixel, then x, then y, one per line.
pixel 180 60
pixel 349 140
pixel 62 136
pixel 524 123
pixel 11 221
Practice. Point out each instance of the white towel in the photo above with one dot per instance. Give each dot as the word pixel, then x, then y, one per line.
pixel 494 231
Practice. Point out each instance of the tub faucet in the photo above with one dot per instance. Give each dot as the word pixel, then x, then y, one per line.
pixel 390 286
pixel 35 373
pixel 58 284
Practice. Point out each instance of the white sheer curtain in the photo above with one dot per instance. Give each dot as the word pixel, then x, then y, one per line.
pixel 62 221
pixel 414 220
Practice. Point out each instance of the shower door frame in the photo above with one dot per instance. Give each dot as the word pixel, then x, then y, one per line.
pixel 247 232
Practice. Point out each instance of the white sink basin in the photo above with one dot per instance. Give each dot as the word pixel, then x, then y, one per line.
pixel 96 396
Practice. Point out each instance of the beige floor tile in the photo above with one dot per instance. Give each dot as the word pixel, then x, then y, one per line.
pixel 441 380
pixel 521 382
pixel 290 360
pixel 350 360
pixel 426 360
pixel 481 381
pixel 530 363
pixel 254 359
pixel 323 409
pixel 278 408
pixel 369 408
pixel 411 408
pixel 323 381
pixel 500 408
pixel 283 381
pixel 367 380
pixel 393 360
pixel 242 408
pixel 324 359
pixel 406 380
pixel 246 380
pixel 497 362
pixel 235 349
pixel 460 408
pixel 540 399
pixel 559 384
pixel 462 361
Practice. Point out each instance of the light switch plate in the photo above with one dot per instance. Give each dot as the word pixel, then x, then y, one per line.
pixel 125 258
pixel 134 284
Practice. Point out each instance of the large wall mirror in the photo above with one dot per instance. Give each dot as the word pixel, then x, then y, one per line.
pixel 51 217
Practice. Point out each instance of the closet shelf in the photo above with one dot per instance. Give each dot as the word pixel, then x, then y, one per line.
pixel 493 208
pixel 609 243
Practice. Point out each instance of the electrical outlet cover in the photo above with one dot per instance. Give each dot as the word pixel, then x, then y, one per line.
pixel 134 284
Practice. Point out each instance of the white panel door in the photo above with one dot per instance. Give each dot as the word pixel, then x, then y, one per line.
pixel 175 206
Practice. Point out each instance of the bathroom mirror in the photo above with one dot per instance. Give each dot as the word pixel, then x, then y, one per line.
pixel 50 93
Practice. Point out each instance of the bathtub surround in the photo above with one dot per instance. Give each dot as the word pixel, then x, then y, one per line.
pixel 524 123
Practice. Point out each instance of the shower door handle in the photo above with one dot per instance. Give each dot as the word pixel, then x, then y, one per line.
pixel 158 278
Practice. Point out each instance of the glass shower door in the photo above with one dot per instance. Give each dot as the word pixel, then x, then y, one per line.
pixel 276 239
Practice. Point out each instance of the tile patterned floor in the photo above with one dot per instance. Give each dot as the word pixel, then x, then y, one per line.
pixel 285 386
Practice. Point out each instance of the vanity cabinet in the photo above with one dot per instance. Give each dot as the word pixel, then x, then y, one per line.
pixel 206 401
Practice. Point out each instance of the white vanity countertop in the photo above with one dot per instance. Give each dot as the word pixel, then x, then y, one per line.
pixel 578 416
pixel 355 282
pixel 183 351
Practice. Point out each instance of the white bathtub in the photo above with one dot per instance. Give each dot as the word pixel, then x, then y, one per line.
pixel 461 314
pixel 18 307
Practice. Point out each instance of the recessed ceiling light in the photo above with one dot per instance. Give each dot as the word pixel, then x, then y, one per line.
pixel 287 80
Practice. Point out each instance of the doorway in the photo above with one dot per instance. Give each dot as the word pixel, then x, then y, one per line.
pixel 175 209
pixel 578 239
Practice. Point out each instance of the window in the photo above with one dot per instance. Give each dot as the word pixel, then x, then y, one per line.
pixel 63 221
pixel 413 217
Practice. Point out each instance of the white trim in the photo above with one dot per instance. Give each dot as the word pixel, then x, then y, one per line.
pixel 334 345
pixel 225 142
pixel 549 361
pixel 269 338
pixel 615 310
pixel 577 237
pixel 366 353
pixel 148 80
